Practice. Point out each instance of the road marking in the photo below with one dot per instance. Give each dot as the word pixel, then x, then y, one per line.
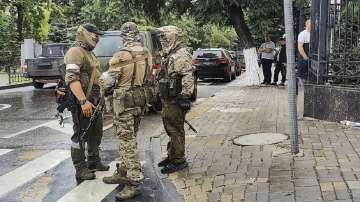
pixel 4 106
pixel 29 171
pixel 4 151
pixel 54 124
pixel 107 127
pixel 92 190
pixel 49 124
pixel 67 129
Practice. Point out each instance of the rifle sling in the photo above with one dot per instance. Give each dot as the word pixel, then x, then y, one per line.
pixel 91 83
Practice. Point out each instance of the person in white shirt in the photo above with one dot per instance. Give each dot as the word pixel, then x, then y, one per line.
pixel 267 57
pixel 304 49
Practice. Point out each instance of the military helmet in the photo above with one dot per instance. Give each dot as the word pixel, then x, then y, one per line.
pixel 171 37
pixel 129 28
pixel 170 31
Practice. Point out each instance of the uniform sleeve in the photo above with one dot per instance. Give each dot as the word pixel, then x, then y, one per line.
pixel 182 64
pixel 73 60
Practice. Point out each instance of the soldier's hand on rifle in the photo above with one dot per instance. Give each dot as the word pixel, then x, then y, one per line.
pixel 87 109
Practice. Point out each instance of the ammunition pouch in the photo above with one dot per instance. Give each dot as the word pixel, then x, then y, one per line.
pixel 126 99
pixel 135 97
pixel 119 101
pixel 170 87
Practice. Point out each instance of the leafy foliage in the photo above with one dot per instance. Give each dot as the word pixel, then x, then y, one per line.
pixel 346 43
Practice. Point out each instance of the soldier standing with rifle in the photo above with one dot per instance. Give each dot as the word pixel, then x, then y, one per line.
pixel 126 76
pixel 82 77
pixel 175 87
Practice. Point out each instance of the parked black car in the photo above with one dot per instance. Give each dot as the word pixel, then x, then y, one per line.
pixel 44 68
pixel 214 63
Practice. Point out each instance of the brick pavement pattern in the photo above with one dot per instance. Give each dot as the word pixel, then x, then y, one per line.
pixel 327 170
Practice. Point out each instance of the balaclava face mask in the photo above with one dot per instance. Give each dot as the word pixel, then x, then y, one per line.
pixel 86 39
pixel 130 34
pixel 171 38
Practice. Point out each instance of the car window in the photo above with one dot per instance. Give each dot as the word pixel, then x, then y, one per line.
pixel 108 45
pixel 207 54
pixel 54 51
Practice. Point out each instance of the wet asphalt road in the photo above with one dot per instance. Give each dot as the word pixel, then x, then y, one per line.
pixel 29 130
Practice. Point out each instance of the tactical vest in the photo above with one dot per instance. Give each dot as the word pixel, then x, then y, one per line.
pixel 135 96
pixel 170 85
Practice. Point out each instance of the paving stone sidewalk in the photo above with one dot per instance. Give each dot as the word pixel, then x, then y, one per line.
pixel 327 170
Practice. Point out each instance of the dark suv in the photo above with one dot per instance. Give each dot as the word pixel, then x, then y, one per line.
pixel 214 63
pixel 44 68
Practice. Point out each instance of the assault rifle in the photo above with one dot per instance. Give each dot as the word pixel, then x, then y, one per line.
pixel 97 112
pixel 190 126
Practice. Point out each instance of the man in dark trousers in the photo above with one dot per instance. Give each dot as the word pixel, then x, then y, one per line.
pixel 304 49
pixel 267 58
pixel 280 66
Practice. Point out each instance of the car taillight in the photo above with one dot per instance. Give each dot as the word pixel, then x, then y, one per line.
pixel 156 66
pixel 195 61
pixel 222 61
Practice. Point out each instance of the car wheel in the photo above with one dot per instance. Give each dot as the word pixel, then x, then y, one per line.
pixel 228 77
pixel 233 75
pixel 38 85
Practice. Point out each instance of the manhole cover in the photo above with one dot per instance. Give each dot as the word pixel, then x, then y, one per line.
pixel 260 139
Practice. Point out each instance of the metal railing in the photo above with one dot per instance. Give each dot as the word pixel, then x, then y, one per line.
pixel 335 46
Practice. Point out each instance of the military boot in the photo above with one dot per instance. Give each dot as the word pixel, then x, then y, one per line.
pixel 173 167
pixel 117 177
pixel 128 192
pixel 95 164
pixel 164 162
pixel 83 173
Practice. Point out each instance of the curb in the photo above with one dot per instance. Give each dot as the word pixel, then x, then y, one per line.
pixel 169 193
pixel 15 86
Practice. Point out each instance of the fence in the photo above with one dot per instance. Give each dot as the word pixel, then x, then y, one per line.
pixel 14 71
pixel 335 42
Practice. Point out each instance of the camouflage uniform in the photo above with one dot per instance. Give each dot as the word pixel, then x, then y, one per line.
pixel 176 61
pixel 128 69
pixel 80 62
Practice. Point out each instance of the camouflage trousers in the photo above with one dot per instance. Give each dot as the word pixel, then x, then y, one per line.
pixel 126 125
pixel 173 119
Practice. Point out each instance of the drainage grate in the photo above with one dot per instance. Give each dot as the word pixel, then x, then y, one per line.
pixel 260 139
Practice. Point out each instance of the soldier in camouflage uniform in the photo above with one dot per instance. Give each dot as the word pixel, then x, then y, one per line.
pixel 82 76
pixel 127 73
pixel 175 87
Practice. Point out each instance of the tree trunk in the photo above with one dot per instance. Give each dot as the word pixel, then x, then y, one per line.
pixel 242 30
pixel 19 21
